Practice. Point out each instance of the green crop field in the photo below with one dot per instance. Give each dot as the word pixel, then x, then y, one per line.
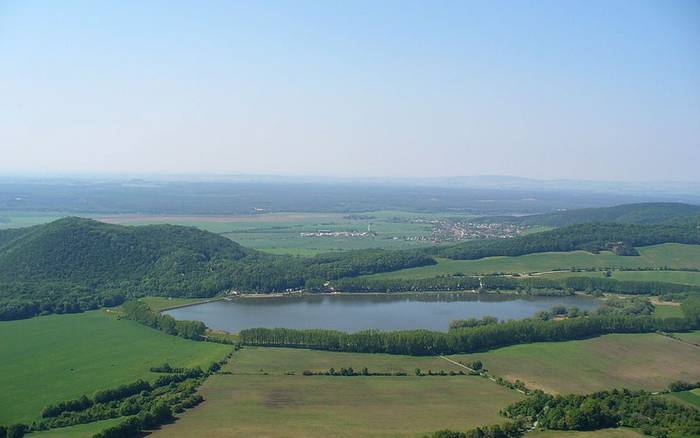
pixel 78 431
pixel 279 405
pixel 688 398
pixel 603 433
pixel 670 255
pixel 668 311
pixel 53 358
pixel 635 361
pixel 162 303
pixel 254 360
pixel 681 277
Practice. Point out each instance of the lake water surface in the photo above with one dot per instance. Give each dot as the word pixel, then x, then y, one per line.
pixel 357 312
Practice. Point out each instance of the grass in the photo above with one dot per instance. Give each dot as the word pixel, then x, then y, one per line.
pixel 255 360
pixel 248 403
pixel 635 361
pixel 682 277
pixel 672 255
pixel 667 311
pixel 688 398
pixel 321 406
pixel 603 433
pixel 692 337
pixel 163 303
pixel 78 431
pixel 58 357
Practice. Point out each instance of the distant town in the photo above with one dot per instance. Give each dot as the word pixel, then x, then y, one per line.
pixel 443 230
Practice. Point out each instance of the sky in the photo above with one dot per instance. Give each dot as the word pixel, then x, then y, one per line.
pixel 596 90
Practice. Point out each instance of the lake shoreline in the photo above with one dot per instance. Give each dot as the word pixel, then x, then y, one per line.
pixel 353 312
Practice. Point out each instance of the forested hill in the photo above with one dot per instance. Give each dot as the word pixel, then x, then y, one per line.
pixel 594 237
pixel 77 264
pixel 643 213
pixel 83 250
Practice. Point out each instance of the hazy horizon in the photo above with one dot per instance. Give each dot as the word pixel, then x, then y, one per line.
pixel 595 91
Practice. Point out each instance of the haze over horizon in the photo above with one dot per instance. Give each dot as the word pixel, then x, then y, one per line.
pixel 598 90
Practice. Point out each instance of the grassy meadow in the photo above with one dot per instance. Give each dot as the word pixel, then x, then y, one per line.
pixel 667 310
pixel 58 357
pixel 258 360
pixel 250 403
pixel 603 433
pixel 635 361
pixel 163 303
pixel 78 431
pixel 682 277
pixel 688 398
pixel 670 255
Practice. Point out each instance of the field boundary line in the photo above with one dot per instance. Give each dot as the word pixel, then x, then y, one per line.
pixel 482 374
pixel 682 341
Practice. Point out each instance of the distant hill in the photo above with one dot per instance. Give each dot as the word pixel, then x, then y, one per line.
pixel 649 213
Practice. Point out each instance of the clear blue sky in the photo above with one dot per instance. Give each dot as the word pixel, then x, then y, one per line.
pixel 549 89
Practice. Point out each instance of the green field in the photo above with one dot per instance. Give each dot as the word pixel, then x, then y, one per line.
pixel 604 433
pixel 688 398
pixel 667 311
pixel 280 233
pixel 257 360
pixel 78 431
pixel 53 358
pixel 670 255
pixel 681 277
pixel 278 405
pixel 692 337
pixel 162 303
pixel 635 361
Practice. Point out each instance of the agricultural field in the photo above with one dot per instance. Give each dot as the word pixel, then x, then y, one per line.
pixel 603 433
pixel 681 277
pixel 163 303
pixel 280 233
pixel 663 310
pixel 78 431
pixel 258 360
pixel 278 405
pixel 61 357
pixel 635 361
pixel 692 337
pixel 688 398
pixel 670 255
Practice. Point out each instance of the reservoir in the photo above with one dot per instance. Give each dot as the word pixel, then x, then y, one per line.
pixel 355 312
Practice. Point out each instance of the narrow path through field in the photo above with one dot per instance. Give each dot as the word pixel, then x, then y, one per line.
pixel 458 364
pixel 484 374
pixel 682 341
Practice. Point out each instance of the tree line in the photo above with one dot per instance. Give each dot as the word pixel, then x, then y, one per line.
pixel 141 312
pixel 637 409
pixel 463 340
pixel 529 285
